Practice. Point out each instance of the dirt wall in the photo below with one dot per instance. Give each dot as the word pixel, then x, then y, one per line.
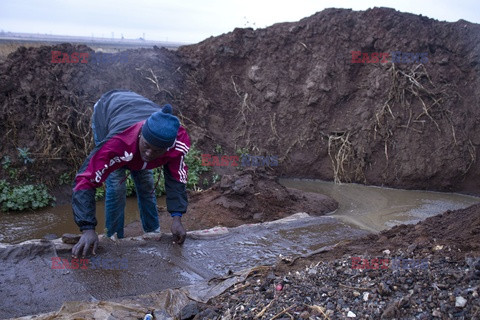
pixel 290 90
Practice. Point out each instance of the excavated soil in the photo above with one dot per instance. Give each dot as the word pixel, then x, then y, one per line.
pixel 290 90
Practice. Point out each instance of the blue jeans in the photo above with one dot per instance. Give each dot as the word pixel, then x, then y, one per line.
pixel 116 194
pixel 115 199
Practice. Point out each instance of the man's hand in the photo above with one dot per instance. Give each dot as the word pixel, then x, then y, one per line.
pixel 88 238
pixel 178 231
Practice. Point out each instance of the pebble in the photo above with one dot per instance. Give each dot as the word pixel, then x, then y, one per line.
pixel 460 302
pixel 384 289
pixel 436 313
pixel 350 314
pixel 312 271
pixel 365 296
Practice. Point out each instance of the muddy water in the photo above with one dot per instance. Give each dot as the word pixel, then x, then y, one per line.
pixel 369 208
pixel 55 221
pixel 375 209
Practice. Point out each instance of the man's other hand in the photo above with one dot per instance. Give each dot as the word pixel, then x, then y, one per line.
pixel 88 238
pixel 178 231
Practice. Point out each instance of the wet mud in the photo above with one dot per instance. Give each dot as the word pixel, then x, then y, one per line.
pixel 135 267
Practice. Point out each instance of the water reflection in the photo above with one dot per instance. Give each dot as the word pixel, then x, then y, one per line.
pixel 376 209
pixel 16 227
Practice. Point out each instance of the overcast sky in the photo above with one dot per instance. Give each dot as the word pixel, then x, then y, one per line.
pixel 193 20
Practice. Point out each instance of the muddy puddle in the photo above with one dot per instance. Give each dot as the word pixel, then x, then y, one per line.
pixel 54 221
pixel 368 208
pixel 375 209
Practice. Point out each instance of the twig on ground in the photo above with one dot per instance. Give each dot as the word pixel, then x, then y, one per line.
pixel 262 312
pixel 283 312
pixel 319 310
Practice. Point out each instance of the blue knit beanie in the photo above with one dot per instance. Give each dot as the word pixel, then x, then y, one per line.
pixel 161 128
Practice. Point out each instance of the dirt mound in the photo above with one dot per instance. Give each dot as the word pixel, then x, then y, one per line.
pixel 290 90
pixel 252 196
pixel 293 91
pixel 46 106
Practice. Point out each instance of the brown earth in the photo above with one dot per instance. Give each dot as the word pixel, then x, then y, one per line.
pixel 288 90
pixel 292 90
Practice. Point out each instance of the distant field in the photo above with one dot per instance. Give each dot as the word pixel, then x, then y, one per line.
pixel 8 46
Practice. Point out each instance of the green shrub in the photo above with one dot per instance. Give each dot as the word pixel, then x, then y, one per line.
pixel 193 159
pixel 6 162
pixel 65 178
pixel 23 197
pixel 24 155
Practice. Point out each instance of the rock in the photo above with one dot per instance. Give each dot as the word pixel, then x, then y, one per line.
pixel 50 236
pixel 436 313
pixel 411 247
pixel 70 238
pixel 384 289
pixel 356 293
pixel 390 311
pixel 211 233
pixel 162 315
pixel 243 185
pixel 189 311
pixel 152 236
pixel 387 252
pixel 460 302
pixel 259 216
pixel 365 296
pixel 208 313
pixel 312 271
pixel 305 315
pixel 350 314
